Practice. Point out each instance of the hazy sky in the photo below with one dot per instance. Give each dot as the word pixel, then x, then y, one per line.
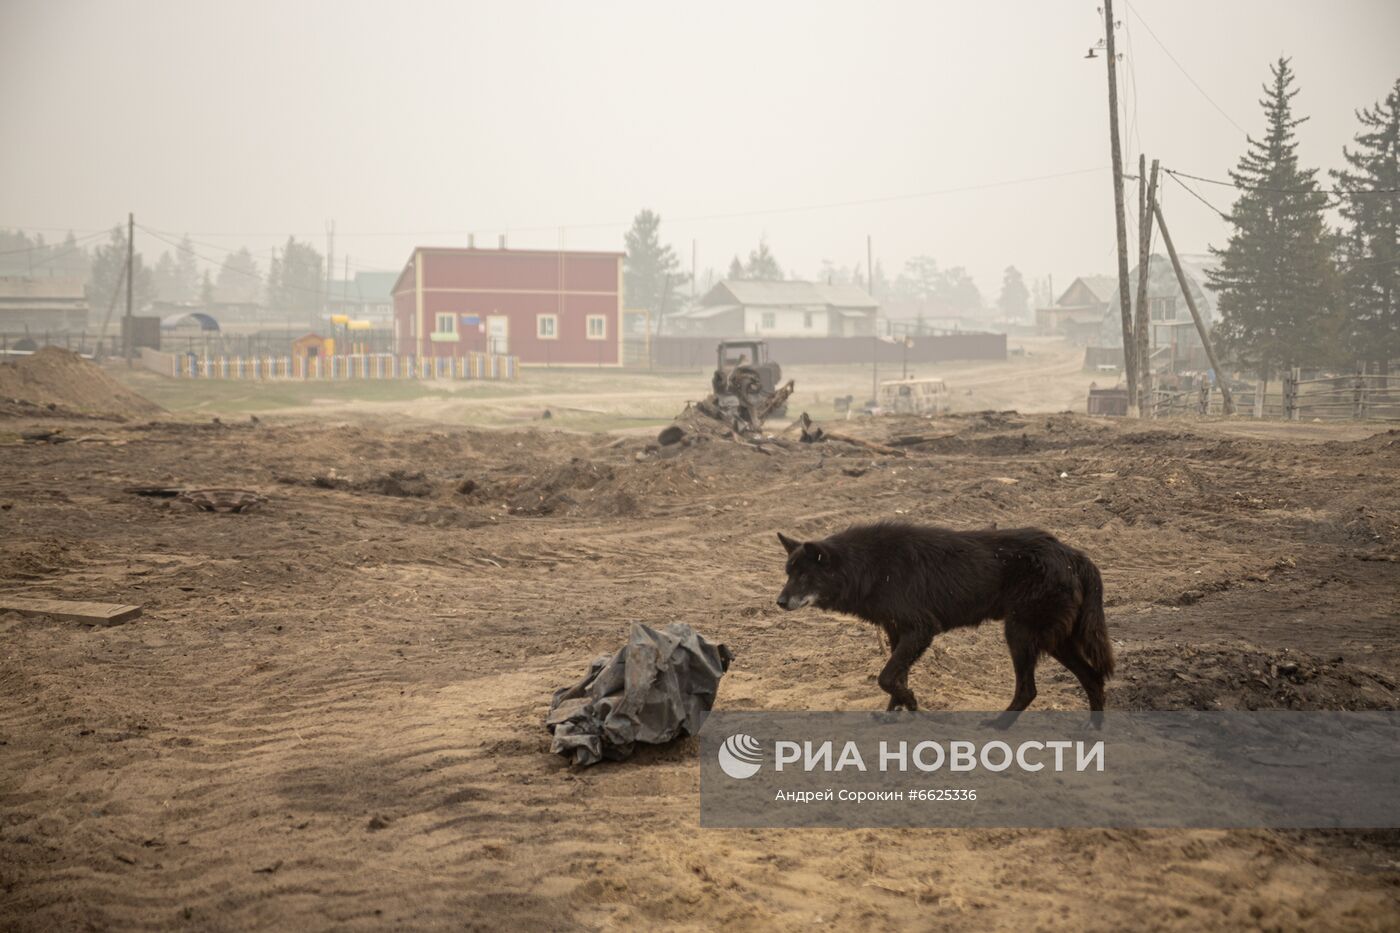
pixel 413 123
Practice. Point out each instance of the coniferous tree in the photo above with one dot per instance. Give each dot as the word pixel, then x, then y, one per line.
pixel 736 270
pixel 762 266
pixel 186 271
pixel 650 267
pixel 163 278
pixel 295 278
pixel 106 282
pixel 1371 250
pixel 239 279
pixel 1276 279
pixel 1014 300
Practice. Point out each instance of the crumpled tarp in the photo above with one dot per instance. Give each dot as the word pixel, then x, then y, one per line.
pixel 659 686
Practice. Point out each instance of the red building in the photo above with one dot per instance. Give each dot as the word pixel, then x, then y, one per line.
pixel 546 307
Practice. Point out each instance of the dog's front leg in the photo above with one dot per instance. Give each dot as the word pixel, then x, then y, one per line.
pixel 894 679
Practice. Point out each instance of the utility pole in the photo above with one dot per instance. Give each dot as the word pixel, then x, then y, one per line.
pixel 1124 298
pixel 330 263
pixel 693 253
pixel 1147 199
pixel 1226 398
pixel 874 322
pixel 128 336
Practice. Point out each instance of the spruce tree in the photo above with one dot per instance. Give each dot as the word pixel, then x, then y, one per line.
pixel 762 266
pixel 649 266
pixel 1276 280
pixel 1371 251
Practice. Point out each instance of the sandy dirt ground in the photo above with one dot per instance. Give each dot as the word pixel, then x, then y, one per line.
pixel 330 714
pixel 1044 374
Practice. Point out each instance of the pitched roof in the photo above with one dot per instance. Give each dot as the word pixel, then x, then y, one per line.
pixel 704 312
pixel 25 287
pixel 376 286
pixel 1102 287
pixel 372 287
pixel 794 293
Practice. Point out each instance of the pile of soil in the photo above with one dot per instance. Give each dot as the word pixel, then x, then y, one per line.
pixel 58 380
pixel 1249 678
pixel 403 484
pixel 579 487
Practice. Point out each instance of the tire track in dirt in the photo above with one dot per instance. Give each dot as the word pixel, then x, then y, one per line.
pixel 338 723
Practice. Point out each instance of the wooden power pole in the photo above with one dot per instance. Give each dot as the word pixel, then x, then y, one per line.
pixel 128 337
pixel 1226 398
pixel 874 323
pixel 1147 195
pixel 1124 298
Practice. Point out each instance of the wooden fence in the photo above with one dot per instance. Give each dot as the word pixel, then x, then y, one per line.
pixel 339 367
pixel 1358 397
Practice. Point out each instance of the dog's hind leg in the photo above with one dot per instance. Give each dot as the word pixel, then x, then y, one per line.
pixel 1024 653
pixel 905 649
pixel 1090 679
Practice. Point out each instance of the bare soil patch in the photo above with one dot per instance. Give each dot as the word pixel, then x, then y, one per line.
pixel 331 712
pixel 54 381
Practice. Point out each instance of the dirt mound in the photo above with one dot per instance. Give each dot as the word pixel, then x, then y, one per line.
pixel 1248 678
pixel 402 484
pixel 578 487
pixel 58 379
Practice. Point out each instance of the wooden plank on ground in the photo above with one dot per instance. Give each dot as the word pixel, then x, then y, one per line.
pixel 70 610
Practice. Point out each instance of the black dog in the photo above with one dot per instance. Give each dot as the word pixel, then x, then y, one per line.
pixel 915 582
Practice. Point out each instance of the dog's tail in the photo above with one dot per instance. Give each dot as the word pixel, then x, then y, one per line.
pixel 1090 628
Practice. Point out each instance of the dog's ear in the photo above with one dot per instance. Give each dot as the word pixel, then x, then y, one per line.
pixel 788 544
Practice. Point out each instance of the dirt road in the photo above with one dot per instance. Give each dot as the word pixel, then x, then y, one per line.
pixel 330 714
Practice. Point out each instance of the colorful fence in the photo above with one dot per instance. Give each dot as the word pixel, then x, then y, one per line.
pixel 352 366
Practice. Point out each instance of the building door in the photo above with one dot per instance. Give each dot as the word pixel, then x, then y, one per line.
pixel 498 334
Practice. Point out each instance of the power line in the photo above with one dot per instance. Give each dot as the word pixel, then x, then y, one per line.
pixel 1336 192
pixel 40 246
pixel 859 202
pixel 1182 68
pixel 1226 217
pixel 255 275
pixel 729 215
pixel 358 267
pixel 1197 196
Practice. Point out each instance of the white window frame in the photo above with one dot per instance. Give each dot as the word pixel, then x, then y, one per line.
pixel 553 327
pixel 602 320
pixel 768 320
pixel 450 317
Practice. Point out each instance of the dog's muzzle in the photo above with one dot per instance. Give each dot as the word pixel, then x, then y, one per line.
pixel 796 602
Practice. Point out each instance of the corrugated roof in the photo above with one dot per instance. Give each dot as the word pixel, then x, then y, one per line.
pixel 704 312
pixel 795 293
pixel 25 287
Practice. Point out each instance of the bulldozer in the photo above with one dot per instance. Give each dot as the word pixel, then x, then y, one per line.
pixel 746 381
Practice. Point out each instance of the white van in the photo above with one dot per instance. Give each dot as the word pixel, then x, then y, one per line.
pixel 914 397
